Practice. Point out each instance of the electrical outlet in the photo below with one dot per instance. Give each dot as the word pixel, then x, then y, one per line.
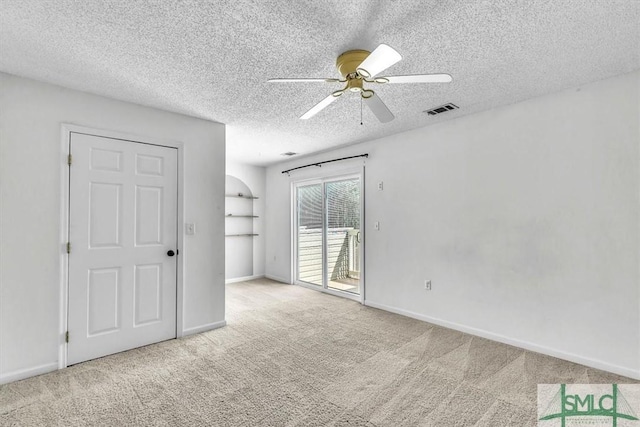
pixel 380 186
pixel 427 285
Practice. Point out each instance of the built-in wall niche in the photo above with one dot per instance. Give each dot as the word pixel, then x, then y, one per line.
pixel 239 228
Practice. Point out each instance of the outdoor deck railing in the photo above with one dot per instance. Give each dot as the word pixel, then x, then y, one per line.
pixel 343 254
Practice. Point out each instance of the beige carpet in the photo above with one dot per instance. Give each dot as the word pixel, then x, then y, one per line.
pixel 296 357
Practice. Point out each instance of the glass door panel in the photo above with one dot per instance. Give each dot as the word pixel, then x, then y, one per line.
pixel 343 235
pixel 310 234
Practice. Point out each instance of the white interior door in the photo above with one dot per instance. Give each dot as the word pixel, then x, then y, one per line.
pixel 122 227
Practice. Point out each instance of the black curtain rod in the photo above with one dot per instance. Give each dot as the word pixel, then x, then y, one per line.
pixel 319 164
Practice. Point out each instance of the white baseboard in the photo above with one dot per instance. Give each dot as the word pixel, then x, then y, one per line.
pixel 204 328
pixel 243 279
pixel 592 363
pixel 50 367
pixel 277 279
pixel 28 372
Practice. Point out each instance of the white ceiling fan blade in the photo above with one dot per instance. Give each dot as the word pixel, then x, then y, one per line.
pixel 320 106
pixel 379 60
pixel 378 108
pixel 416 78
pixel 303 80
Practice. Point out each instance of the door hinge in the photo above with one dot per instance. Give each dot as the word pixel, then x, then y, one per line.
pixel 66 337
pixel 69 159
pixel 68 247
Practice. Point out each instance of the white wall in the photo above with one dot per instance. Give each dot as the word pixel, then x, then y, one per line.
pixel 526 219
pixel 31 114
pixel 254 178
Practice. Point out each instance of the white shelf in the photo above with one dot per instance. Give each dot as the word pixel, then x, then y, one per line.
pixel 231 215
pixel 240 196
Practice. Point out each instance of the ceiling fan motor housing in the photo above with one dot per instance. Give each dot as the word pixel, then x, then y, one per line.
pixel 347 63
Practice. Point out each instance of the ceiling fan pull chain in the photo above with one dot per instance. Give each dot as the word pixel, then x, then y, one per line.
pixel 360 111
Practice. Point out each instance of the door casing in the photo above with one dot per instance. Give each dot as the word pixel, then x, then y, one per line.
pixel 66 131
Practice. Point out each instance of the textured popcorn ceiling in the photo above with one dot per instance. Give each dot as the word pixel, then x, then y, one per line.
pixel 211 59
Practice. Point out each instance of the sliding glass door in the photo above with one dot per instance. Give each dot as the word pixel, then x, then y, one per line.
pixel 343 235
pixel 328 234
pixel 310 234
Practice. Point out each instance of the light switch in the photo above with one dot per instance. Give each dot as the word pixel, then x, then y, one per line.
pixel 377 225
pixel 190 229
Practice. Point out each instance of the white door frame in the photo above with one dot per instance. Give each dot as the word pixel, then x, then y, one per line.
pixel 65 138
pixel 337 176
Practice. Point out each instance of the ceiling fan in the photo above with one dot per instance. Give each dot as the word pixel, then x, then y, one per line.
pixel 360 66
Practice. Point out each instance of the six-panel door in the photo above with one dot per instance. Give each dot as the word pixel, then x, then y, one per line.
pixel 123 223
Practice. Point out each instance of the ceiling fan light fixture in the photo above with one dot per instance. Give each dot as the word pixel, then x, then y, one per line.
pixel 367 93
pixel 337 93
pixel 381 80
pixel 354 85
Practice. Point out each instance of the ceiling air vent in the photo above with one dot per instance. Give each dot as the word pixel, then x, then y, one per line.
pixel 288 154
pixel 442 109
